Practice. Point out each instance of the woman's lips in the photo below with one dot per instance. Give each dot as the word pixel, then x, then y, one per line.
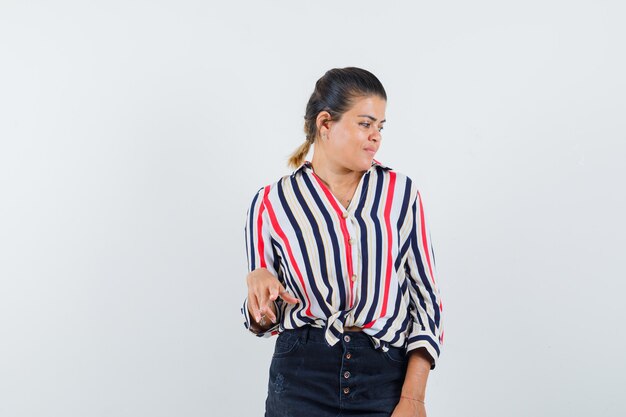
pixel 371 151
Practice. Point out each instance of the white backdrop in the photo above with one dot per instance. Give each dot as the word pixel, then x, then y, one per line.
pixel 133 135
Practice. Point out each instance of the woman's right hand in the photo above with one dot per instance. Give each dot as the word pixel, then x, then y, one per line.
pixel 263 289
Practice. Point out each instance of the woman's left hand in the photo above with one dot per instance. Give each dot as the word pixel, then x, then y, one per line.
pixel 409 408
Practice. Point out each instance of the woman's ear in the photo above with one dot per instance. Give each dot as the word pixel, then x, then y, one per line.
pixel 323 122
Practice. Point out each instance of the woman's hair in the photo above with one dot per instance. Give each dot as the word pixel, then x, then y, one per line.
pixel 335 93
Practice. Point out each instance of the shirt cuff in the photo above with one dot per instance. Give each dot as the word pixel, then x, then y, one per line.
pixel 267 333
pixel 419 338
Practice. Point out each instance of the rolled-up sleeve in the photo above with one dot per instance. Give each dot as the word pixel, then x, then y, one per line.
pixel 260 253
pixel 425 300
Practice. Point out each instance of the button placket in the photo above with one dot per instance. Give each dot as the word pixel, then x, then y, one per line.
pixel 346 374
pixel 353 241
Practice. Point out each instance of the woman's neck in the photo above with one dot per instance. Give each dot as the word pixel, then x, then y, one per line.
pixel 335 177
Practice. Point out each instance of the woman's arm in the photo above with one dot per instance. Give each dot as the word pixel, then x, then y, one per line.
pixel 426 334
pixel 413 395
pixel 426 308
pixel 260 254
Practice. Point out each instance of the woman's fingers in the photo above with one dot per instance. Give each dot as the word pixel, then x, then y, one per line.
pixel 284 294
pixel 253 306
pixel 264 289
pixel 274 291
pixel 263 301
pixel 264 307
pixel 269 312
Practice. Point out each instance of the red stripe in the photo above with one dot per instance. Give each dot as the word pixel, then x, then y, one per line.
pixel 344 231
pixel 391 188
pixel 392 184
pixel 424 240
pixel 259 227
pixel 292 258
pixel 427 250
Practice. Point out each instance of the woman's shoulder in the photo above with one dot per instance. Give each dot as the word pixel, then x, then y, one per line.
pixel 388 172
pixel 401 181
pixel 299 174
pixel 270 189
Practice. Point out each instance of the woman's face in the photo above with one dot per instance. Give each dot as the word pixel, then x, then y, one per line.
pixel 353 141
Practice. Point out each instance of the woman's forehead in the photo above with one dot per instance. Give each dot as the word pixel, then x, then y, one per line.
pixel 370 106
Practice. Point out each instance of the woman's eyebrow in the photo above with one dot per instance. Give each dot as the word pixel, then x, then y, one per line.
pixel 371 117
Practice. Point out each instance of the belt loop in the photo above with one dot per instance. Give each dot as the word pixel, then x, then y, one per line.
pixel 307 329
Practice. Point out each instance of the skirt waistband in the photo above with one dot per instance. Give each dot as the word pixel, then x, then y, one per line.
pixel 317 334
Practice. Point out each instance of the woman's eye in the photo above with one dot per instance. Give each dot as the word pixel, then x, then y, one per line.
pixel 364 124
pixel 380 129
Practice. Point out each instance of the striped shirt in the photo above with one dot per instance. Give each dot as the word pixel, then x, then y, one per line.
pixel 371 265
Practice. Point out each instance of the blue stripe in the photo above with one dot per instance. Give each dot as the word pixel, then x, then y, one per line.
pixel 413 284
pixel 401 219
pixel 378 247
pixel 426 338
pixel 252 265
pixel 335 332
pixel 391 319
pixel 299 312
pixel 336 250
pixel 321 253
pixel 363 278
pixel 305 254
pixel 422 274
pixel 402 329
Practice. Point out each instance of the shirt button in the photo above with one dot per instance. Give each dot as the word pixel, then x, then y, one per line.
pixel 345 214
pixel 346 338
pixel 351 241
pixel 353 277
pixel 348 355
pixel 346 375
pixel 346 390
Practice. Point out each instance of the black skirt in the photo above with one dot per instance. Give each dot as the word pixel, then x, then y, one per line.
pixel 310 378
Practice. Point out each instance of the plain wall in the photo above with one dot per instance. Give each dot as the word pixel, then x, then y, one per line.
pixel 134 134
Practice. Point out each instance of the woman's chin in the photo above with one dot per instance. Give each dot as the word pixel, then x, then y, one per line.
pixel 367 164
pixel 361 165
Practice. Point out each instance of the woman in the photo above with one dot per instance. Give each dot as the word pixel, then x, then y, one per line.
pixel 341 267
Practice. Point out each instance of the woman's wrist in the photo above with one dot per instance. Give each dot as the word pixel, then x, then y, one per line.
pixel 416 391
pixel 417 400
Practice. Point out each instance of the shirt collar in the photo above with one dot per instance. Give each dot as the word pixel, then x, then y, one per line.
pixel 307 164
